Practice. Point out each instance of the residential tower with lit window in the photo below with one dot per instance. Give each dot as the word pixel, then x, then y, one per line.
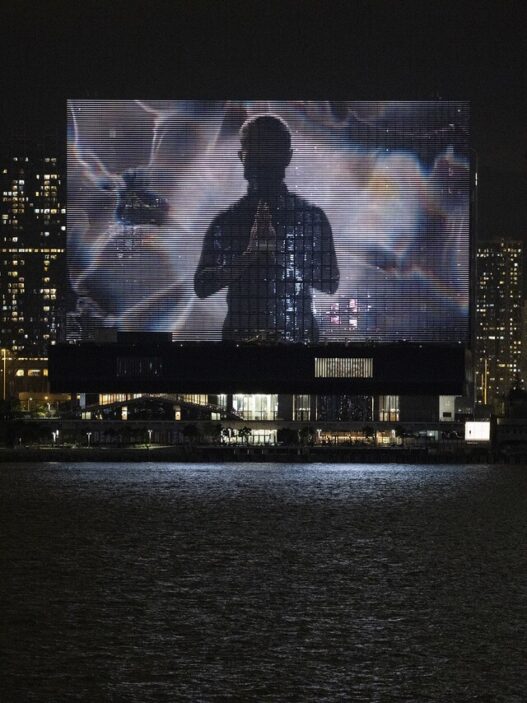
pixel 33 259
pixel 498 343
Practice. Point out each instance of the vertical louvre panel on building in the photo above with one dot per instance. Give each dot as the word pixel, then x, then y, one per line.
pixel 342 367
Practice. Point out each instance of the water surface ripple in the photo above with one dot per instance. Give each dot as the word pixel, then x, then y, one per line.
pixel 270 582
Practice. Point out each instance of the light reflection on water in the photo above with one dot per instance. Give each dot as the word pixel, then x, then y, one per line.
pixel 154 582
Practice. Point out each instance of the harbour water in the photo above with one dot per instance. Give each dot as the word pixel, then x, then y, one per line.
pixel 263 582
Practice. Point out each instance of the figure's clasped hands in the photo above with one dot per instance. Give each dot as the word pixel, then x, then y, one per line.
pixel 263 235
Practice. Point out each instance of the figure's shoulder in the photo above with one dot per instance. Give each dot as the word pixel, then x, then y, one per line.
pixel 301 204
pixel 230 214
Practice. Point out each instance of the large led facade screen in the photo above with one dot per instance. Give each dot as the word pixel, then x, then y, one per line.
pixel 270 221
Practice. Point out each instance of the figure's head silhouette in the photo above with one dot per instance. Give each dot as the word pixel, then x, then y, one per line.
pixel 265 148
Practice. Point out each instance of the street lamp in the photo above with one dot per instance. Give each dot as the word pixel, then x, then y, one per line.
pixel 149 437
pixel 88 435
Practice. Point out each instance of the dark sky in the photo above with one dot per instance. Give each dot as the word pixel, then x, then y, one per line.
pixel 354 50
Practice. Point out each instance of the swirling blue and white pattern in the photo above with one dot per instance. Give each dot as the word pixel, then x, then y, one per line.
pixel 392 177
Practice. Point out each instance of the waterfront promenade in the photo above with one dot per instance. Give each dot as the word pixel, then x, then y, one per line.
pixel 451 452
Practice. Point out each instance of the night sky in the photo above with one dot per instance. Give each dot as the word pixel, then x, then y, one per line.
pixel 53 50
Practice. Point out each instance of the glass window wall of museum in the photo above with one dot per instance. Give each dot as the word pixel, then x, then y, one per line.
pixel 302 408
pixel 256 407
pixel 388 408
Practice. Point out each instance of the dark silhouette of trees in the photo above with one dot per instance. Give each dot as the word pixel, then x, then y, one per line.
pixel 191 432
pixel 307 434
pixel 285 435
pixel 245 433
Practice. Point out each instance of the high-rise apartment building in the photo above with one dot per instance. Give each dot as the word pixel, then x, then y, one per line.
pixel 32 253
pixel 498 344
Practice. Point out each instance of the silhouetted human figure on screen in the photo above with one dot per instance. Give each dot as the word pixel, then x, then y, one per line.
pixel 270 248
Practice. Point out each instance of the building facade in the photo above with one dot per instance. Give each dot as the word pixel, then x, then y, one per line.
pixel 33 243
pixel 498 343
pixel 33 266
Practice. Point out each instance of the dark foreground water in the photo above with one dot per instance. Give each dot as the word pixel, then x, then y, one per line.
pixel 158 582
